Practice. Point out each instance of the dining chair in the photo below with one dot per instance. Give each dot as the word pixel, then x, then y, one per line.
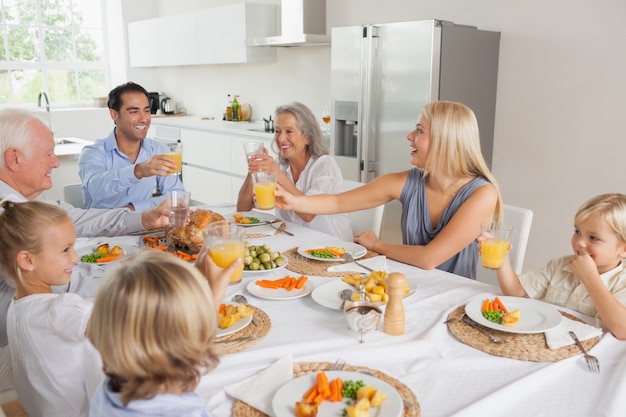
pixel 362 220
pixel 521 219
pixel 73 194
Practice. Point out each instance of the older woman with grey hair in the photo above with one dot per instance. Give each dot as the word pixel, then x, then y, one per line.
pixel 304 167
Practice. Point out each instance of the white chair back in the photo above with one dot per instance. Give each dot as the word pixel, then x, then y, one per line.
pixel 362 220
pixel 521 219
pixel 73 194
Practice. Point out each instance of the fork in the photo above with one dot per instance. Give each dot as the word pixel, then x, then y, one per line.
pixel 592 362
pixel 338 365
pixel 493 337
pixel 270 224
pixel 348 257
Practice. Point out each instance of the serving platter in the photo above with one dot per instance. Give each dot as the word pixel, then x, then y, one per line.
pixel 536 316
pixel 357 251
pixel 279 293
pixel 287 395
pixel 328 295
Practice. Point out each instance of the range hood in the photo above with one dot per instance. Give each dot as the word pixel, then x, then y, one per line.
pixel 303 23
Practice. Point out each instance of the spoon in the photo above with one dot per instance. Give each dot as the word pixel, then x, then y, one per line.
pixel 238 298
pixel 345 295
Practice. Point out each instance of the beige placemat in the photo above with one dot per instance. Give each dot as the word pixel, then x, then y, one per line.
pixel 301 265
pixel 224 347
pixel 241 409
pixel 14 409
pixel 521 346
pixel 281 227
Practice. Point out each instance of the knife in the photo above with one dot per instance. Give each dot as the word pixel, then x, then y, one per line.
pixel 278 228
pixel 239 339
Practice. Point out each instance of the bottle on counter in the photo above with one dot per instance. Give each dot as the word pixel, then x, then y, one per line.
pixel 235 107
pixel 229 109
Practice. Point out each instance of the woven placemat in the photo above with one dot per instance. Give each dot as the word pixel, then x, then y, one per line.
pixel 14 409
pixel 301 265
pixel 281 227
pixel 241 409
pixel 224 347
pixel 521 346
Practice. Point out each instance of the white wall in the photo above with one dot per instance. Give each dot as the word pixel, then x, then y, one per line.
pixel 561 94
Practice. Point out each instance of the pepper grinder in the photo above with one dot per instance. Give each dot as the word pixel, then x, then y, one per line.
pixel 394 312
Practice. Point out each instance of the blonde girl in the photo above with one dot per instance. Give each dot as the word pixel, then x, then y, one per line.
pixel 55 368
pixel 153 321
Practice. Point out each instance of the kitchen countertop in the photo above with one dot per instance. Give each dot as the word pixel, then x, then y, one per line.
pixel 69 146
pixel 197 122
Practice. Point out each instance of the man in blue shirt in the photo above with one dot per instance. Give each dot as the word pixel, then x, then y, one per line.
pixel 121 169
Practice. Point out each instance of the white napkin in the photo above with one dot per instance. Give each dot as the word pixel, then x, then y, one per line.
pixel 258 390
pixel 377 263
pixel 559 336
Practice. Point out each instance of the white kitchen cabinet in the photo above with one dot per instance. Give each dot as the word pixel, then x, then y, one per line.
pixel 222 33
pixel 211 36
pixel 178 39
pixel 206 186
pixel 143 45
pixel 206 149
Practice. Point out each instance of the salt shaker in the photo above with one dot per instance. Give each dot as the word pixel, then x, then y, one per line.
pixel 394 312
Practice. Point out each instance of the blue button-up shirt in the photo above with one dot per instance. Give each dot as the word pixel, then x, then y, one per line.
pixel 108 176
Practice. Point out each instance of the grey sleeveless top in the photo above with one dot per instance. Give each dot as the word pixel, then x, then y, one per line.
pixel 417 228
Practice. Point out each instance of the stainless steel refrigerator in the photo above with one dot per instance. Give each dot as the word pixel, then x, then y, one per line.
pixel 382 75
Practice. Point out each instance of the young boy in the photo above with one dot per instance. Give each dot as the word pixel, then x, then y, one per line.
pixel 593 279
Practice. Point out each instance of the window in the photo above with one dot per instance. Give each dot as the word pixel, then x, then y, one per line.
pixel 56 46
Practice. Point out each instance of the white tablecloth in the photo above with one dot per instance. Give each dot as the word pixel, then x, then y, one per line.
pixel 448 377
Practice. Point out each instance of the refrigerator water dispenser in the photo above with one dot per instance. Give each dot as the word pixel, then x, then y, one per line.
pixel 346 116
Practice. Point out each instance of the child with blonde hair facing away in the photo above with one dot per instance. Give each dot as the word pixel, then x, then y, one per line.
pixel 593 279
pixel 55 368
pixel 154 321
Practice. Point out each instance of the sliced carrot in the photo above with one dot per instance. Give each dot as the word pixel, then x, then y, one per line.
pixel 109 258
pixel 291 284
pixel 499 305
pixel 323 386
pixel 319 399
pixel 339 389
pixel 485 305
pixel 312 395
pixel 266 284
pixel 311 390
pixel 301 281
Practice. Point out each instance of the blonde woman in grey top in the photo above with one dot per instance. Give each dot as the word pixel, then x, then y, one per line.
pixel 458 194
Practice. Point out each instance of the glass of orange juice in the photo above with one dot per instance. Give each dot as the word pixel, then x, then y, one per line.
pixel 225 242
pixel 495 243
pixel 264 186
pixel 175 151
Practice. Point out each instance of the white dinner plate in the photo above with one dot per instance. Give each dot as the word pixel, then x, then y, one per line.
pixel 265 271
pixel 279 293
pixel 242 323
pixel 536 316
pixel 328 295
pixel 287 395
pixel 357 251
pixel 129 252
pixel 263 217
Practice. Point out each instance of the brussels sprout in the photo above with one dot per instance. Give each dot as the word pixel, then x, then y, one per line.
pixel 280 261
pixel 274 255
pixel 264 257
pixel 268 265
pixel 253 253
pixel 247 260
pixel 254 266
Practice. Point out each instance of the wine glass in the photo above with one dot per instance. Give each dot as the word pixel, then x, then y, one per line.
pixel 326 119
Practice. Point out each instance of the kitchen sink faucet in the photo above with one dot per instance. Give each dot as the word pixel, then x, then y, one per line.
pixel 45 96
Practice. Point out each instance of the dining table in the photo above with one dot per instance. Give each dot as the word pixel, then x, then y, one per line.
pixel 446 375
